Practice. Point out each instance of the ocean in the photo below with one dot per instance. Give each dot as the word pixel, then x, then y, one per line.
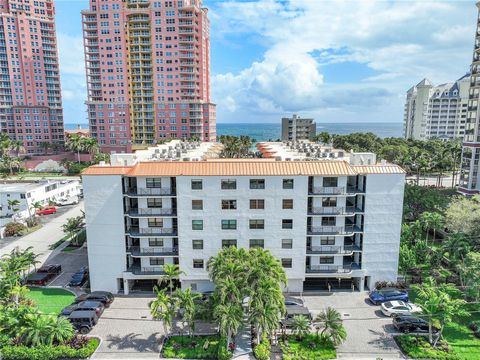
pixel 265 132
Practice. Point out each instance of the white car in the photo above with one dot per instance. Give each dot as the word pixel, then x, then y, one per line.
pixel 396 307
pixel 67 201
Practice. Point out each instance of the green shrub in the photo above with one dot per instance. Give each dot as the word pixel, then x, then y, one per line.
pixel 48 352
pixel 14 229
pixel 262 350
pixel 191 347
pixel 310 347
pixel 223 353
pixel 4 340
pixel 419 348
pixel 474 325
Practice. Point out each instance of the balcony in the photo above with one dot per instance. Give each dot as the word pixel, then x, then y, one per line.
pixel 146 270
pixel 137 251
pixel 151 231
pixel 141 212
pixel 150 192
pixel 346 268
pixel 331 250
pixel 333 230
pixel 321 190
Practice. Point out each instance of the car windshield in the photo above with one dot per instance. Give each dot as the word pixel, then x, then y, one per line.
pixel 388 304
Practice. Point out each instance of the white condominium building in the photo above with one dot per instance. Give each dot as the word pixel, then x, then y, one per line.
pixel 332 224
pixel 436 111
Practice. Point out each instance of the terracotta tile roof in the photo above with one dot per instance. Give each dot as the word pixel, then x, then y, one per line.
pixel 378 169
pixel 107 170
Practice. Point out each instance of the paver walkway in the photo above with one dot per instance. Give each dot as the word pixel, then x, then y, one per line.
pixel 243 342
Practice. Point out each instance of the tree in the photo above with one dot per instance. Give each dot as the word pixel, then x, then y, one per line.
pixel 229 318
pixel 75 143
pixel 469 272
pixel 407 259
pixel 172 273
pixel 440 303
pixel 324 137
pixel 463 215
pixel 300 326
pixel 10 163
pixel 163 308
pixel 431 221
pixel 330 321
pixel 36 330
pixel 72 227
pixel 45 145
pixel 13 205
pixel 60 329
pixel 17 147
pixel 186 303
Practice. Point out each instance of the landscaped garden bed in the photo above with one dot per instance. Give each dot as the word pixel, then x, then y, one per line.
pixel 196 347
pixel 418 347
pixel 309 347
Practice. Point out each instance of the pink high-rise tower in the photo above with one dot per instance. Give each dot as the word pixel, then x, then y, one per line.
pixel 148 72
pixel 30 93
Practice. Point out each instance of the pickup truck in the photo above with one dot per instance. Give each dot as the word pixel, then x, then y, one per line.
pixel 44 275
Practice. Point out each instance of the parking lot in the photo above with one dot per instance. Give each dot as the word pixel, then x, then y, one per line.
pixel 71 262
pixel 369 332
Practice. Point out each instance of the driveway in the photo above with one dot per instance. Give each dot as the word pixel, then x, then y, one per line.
pixel 128 331
pixel 71 262
pixel 369 333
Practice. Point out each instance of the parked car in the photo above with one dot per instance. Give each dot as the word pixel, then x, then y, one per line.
pixel 387 294
pixel 409 323
pixel 293 301
pixel 44 275
pixel 83 320
pixel 96 306
pixel 47 210
pixel 104 297
pixel 396 307
pixel 294 310
pixel 78 278
pixel 67 201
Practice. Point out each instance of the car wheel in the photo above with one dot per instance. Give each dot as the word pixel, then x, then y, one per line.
pixel 84 330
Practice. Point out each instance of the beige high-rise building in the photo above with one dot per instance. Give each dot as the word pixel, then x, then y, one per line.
pixel 436 111
pixel 296 128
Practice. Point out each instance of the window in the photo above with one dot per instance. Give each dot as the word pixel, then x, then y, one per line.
pixel 330 181
pixel 326 260
pixel 198 263
pixel 154 183
pixel 256 243
pixel 229 242
pixel 155 242
pixel 229 184
pixel 328 221
pixel 197 204
pixel 197 244
pixel 287 204
pixel 193 286
pixel 257 224
pixel 197 185
pixel 287 224
pixel 287 263
pixel 257 204
pixel 287 243
pixel 229 224
pixel 329 240
pixel 197 224
pixel 157 261
pixel 154 203
pixel 229 204
pixel 257 183
pixel 288 183
pixel 329 202
pixel 155 222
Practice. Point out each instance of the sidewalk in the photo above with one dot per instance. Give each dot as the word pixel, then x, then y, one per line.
pixel 243 342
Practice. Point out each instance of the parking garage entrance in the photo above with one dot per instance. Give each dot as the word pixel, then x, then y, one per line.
pixel 328 284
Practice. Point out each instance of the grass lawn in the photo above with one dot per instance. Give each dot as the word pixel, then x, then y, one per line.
pixel 461 339
pixel 50 300
pixel 31 229
pixel 309 348
pixel 196 347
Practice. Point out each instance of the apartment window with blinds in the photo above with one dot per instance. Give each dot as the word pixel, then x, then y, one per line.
pixel 287 243
pixel 288 183
pixel 257 204
pixel 330 182
pixel 287 224
pixel 287 203
pixel 329 240
pixel 328 221
pixel 229 224
pixel 154 203
pixel 256 243
pixel 229 184
pixel 229 242
pixel 198 263
pixel 154 183
pixel 155 222
pixel 157 261
pixel 257 184
pixel 197 204
pixel 329 202
pixel 197 244
pixel 197 224
pixel 257 224
pixel 197 185
pixel 326 260
pixel 229 204
pixel 155 242
pixel 287 263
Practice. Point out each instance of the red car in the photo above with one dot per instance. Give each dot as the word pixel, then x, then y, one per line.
pixel 47 211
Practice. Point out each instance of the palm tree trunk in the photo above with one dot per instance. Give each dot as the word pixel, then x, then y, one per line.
pixel 430 335
pixel 78 155
pixel 229 335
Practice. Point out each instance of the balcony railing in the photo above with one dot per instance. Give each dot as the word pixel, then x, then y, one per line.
pixel 150 192
pixel 333 230
pixel 327 249
pixel 146 270
pixel 152 251
pixel 332 269
pixel 322 190
pixel 335 210
pixel 152 231
pixel 151 211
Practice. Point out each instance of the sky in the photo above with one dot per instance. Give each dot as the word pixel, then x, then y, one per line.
pixel 336 61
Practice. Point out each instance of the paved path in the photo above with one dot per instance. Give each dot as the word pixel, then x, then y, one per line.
pixel 243 342
pixel 41 239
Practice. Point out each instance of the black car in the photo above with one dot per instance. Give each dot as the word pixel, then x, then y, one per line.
pixel 104 297
pixel 83 320
pixel 79 277
pixel 291 312
pixel 51 269
pixel 408 323
pixel 96 306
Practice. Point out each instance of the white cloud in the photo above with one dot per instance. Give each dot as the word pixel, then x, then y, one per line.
pixel 402 41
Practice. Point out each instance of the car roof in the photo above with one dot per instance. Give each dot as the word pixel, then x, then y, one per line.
pixel 103 293
pixel 296 310
pixel 77 314
pixel 290 298
pixel 397 303
pixel 92 303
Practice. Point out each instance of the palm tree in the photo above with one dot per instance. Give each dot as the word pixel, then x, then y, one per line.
pixel 331 323
pixel 90 145
pixel 172 272
pixel 431 221
pixel 75 143
pixel 36 330
pixel 13 205
pixel 72 227
pixel 11 163
pixel 5 143
pixel 300 326
pixel 45 145
pixel 324 137
pixel 17 147
pixel 60 330
pixel 186 302
pixel 229 318
pixel 162 308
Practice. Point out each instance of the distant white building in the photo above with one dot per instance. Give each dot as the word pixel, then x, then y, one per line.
pixel 436 111
pixel 29 193
pixel 332 223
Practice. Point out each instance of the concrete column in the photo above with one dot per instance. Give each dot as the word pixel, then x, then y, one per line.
pixel 125 287
pixel 361 283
